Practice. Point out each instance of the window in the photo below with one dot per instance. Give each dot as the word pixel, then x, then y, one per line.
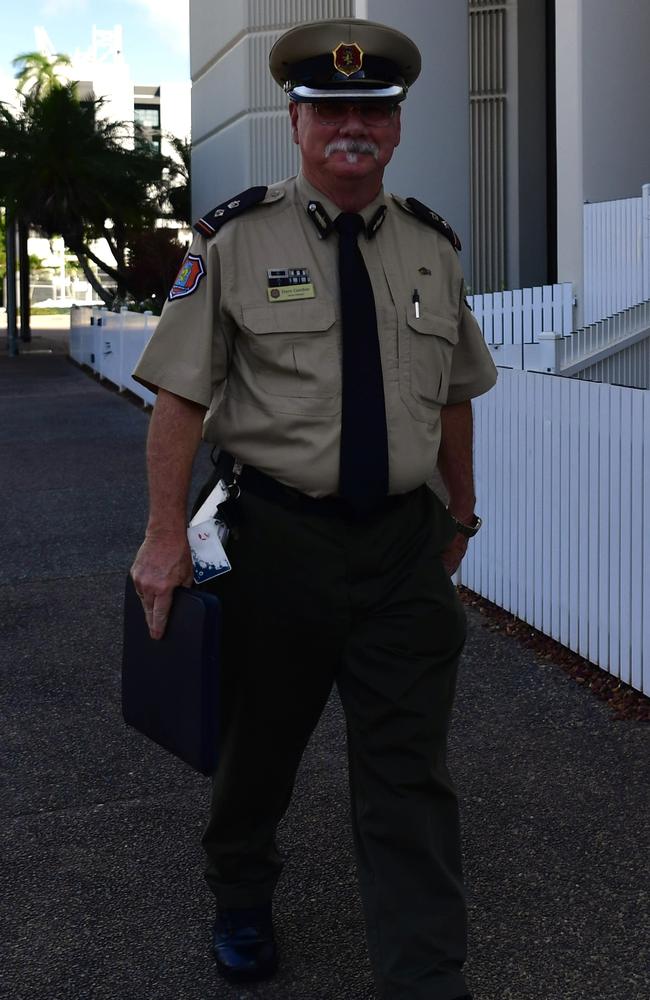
pixel 147 115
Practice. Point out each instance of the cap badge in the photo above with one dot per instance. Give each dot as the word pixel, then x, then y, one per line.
pixel 348 59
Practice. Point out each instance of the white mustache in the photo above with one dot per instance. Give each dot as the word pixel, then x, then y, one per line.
pixel 352 147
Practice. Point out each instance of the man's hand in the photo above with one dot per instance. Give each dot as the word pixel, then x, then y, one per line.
pixel 163 563
pixel 454 553
pixel 455 467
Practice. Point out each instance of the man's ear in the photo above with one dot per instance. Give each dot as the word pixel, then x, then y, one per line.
pixel 293 114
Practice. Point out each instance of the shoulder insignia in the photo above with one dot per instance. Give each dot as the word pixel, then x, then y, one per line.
pixel 212 222
pixel 430 218
pixel 188 278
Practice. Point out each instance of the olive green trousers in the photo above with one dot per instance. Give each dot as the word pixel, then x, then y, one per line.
pixel 363 603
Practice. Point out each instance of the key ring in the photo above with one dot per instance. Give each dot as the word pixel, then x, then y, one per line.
pixel 234 489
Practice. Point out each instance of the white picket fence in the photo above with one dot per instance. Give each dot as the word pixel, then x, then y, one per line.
pixel 605 335
pixel 629 365
pixel 518 316
pixel 111 343
pixel 531 329
pixel 616 279
pixel 563 481
pixel 514 319
pixel 616 255
pixel 600 348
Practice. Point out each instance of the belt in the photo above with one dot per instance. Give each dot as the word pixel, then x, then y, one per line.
pixel 251 480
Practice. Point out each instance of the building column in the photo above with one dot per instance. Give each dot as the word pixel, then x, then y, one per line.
pixel 11 303
pixel 23 270
pixel 570 172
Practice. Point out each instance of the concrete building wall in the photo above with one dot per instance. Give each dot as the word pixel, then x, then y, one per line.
pixel 433 163
pixel 175 108
pixel 240 122
pixel 112 82
pixel 527 158
pixel 175 114
pixel 603 116
pixel 570 145
pixel 240 125
pixel 214 26
pixel 615 98
pixel 241 134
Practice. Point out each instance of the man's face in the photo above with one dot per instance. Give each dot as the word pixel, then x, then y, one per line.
pixel 347 150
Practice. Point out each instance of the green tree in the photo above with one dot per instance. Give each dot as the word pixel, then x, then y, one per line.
pixel 68 172
pixel 38 74
pixel 154 262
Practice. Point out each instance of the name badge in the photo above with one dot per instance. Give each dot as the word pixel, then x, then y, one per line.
pixel 288 283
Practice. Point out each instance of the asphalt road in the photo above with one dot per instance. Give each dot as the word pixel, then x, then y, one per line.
pixel 102 896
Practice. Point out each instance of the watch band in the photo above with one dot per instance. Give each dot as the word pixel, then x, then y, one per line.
pixel 468 530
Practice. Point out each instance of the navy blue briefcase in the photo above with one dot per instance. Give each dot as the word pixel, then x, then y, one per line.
pixel 170 686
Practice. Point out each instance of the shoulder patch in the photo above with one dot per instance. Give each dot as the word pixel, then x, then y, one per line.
pixel 188 278
pixel 212 222
pixel 430 218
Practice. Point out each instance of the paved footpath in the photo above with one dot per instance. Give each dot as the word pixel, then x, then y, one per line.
pixel 101 892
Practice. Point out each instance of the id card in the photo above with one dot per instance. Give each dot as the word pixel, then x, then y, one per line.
pixel 208 554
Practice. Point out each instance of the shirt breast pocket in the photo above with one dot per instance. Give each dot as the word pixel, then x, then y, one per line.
pixel 293 348
pixel 427 347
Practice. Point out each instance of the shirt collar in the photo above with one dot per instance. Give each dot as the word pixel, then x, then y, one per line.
pixel 308 193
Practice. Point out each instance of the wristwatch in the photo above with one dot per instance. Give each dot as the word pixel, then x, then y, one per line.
pixel 468 530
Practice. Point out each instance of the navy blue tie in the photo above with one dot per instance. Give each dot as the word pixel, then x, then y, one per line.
pixel 364 438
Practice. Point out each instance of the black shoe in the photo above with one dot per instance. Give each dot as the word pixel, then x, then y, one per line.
pixel 244 945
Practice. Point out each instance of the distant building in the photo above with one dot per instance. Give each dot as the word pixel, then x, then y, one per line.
pixel 101 71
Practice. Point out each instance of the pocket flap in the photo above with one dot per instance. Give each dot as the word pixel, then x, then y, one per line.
pixel 431 325
pixel 289 317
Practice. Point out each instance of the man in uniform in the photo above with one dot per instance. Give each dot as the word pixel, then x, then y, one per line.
pixel 323 327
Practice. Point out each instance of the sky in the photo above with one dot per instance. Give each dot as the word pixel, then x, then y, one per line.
pixel 156 33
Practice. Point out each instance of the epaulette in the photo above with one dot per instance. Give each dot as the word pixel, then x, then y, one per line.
pixel 431 218
pixel 212 222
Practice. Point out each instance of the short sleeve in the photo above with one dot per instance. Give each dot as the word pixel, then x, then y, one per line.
pixel 188 352
pixel 472 369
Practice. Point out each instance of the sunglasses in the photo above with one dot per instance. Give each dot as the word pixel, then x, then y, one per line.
pixel 374 113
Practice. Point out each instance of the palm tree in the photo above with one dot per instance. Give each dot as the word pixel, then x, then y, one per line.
pixel 37 74
pixel 68 172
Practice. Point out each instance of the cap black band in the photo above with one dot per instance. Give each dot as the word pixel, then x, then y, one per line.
pixel 320 71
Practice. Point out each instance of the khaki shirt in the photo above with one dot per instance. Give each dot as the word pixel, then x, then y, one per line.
pixel 270 371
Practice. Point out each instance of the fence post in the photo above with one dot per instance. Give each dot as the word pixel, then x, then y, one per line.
pixel 548 354
pixel 645 258
pixel 121 334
